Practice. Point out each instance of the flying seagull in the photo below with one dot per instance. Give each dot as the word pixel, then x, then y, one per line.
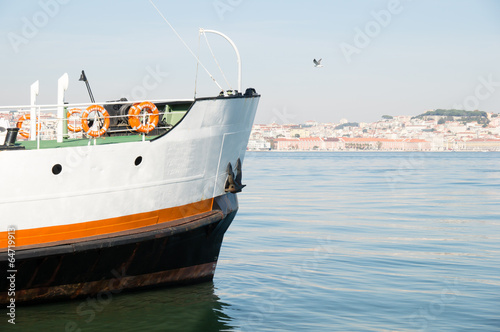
pixel 317 63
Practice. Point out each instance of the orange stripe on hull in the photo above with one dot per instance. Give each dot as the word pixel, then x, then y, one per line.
pixel 32 236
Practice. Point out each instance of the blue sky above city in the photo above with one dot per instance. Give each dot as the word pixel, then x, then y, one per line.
pixel 380 57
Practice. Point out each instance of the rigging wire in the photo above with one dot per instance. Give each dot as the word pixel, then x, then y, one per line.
pixel 197 62
pixel 190 51
pixel 217 62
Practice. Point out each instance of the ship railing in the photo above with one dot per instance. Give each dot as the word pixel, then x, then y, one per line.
pixel 48 126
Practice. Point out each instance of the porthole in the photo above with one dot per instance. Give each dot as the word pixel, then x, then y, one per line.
pixel 138 161
pixel 56 169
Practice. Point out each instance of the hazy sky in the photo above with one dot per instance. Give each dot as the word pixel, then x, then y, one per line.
pixel 380 57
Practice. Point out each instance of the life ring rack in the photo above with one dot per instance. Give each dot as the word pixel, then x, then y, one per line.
pixel 104 115
pixel 134 117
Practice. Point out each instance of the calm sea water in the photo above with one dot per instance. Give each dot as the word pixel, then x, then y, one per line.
pixel 333 242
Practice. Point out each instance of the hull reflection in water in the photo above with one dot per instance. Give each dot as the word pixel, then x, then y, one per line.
pixel 190 308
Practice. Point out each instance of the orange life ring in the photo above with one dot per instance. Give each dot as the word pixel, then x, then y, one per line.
pixel 19 125
pixel 134 119
pixel 85 122
pixel 76 128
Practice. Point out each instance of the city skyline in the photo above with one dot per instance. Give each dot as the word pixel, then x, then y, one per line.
pixel 438 130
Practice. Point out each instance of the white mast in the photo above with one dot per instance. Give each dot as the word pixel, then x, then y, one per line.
pixel 62 86
pixel 35 89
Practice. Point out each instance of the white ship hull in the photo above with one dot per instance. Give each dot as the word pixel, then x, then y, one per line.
pixel 79 194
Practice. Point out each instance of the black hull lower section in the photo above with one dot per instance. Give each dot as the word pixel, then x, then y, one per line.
pixel 157 256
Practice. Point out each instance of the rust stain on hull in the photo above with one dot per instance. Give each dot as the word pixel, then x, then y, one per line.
pixel 185 275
